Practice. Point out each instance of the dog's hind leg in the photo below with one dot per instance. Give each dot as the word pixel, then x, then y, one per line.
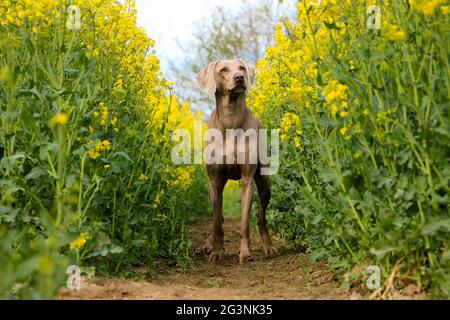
pixel 263 186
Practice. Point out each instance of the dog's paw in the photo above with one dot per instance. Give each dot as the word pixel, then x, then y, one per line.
pixel 244 258
pixel 205 249
pixel 270 250
pixel 216 255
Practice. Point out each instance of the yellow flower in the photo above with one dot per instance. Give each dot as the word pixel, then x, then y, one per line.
pixel 291 126
pixel 143 177
pixel 400 35
pixel 351 65
pixel 118 84
pixel 290 120
pixel 94 152
pixel 78 242
pixel 96 114
pixel 116 130
pixel 334 109
pixel 344 114
pixel 394 32
pixel 6 74
pixel 335 94
pixel 157 199
pixel 59 118
pixel 445 10
pixel 344 104
pixel 343 131
pixel 107 166
pixel 334 90
pixel 357 154
pixel 180 177
pixel 105 113
pixel 106 145
pixel 396 35
pixel 114 121
pixel 366 112
pixel 427 7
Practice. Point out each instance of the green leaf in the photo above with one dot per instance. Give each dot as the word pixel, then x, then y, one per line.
pixel 327 174
pixel 433 227
pixel 380 253
pixel 124 155
pixel 35 173
pixel 7 214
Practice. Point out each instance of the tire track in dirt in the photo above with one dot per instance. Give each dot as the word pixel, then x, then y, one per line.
pixel 287 275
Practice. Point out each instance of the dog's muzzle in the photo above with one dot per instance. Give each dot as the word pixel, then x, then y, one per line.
pixel 237 89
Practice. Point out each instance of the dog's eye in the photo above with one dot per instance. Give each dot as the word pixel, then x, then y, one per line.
pixel 242 68
pixel 223 70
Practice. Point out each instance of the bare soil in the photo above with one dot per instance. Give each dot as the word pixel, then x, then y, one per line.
pixel 288 275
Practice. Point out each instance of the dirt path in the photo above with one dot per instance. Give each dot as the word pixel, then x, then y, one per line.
pixel 285 276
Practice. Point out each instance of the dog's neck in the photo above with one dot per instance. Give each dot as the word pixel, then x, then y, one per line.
pixel 231 110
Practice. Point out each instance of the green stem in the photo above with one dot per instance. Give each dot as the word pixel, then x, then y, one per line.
pixel 60 177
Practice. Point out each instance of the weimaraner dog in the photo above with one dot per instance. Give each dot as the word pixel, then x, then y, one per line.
pixel 229 80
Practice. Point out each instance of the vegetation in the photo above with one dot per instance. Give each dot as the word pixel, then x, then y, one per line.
pixel 86 175
pixel 364 120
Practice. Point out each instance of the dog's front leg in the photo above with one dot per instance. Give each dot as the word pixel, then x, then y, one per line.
pixel 246 202
pixel 216 187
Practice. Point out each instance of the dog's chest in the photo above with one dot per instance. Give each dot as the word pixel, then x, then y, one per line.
pixel 234 146
pixel 231 120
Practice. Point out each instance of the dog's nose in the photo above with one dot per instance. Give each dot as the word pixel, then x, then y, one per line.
pixel 238 77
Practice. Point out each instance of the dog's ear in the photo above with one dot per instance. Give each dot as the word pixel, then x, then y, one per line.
pixel 251 72
pixel 206 79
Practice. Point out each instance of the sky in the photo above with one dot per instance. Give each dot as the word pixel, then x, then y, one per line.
pixel 168 20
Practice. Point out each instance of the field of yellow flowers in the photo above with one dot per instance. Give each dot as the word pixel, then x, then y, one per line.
pixel 85 171
pixel 361 97
pixel 364 114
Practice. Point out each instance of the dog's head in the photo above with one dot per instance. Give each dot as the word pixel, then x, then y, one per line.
pixel 228 77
